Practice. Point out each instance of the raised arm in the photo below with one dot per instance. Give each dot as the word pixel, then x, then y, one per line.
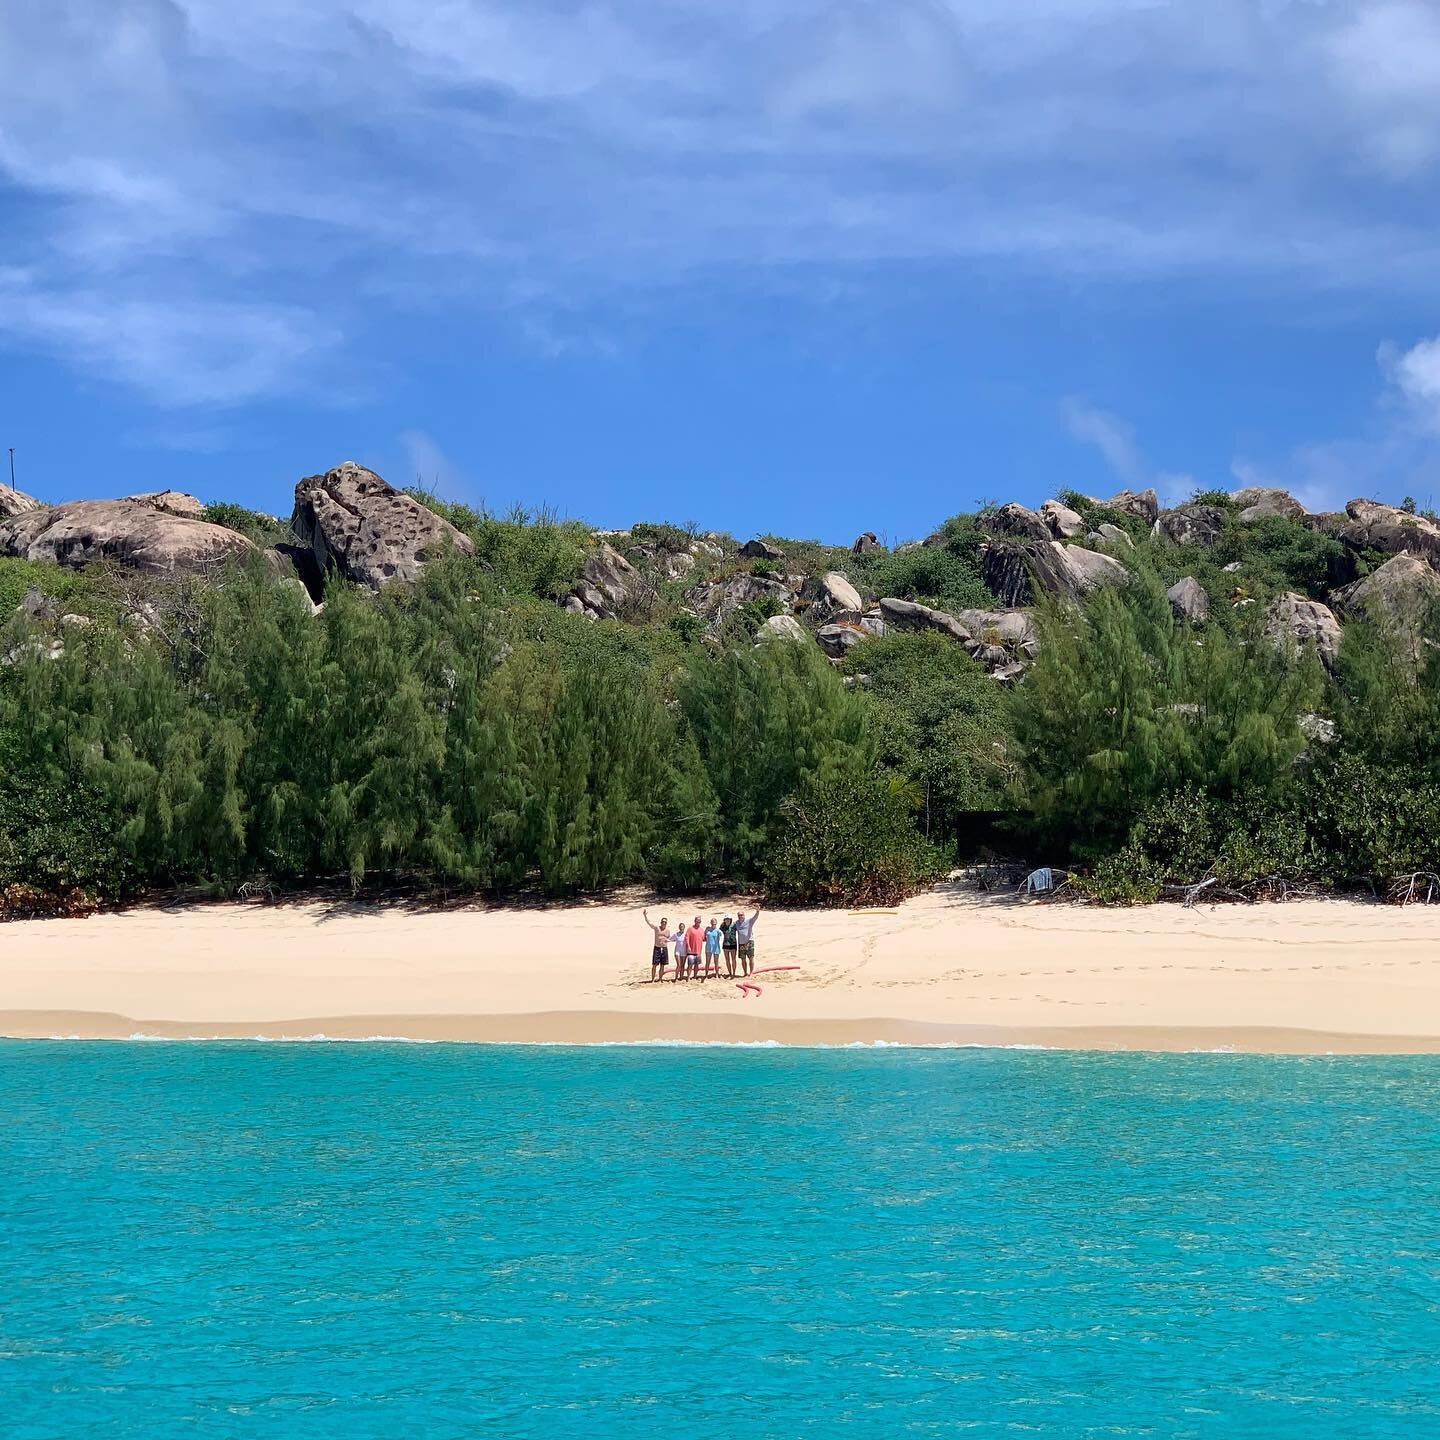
pixel 646 914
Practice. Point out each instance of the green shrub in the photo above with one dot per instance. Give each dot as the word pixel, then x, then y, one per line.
pixel 525 552
pixel 59 833
pixel 850 839
pixel 945 575
pixel 937 717
pixel 1218 499
pixel 261 530
pixel 19 577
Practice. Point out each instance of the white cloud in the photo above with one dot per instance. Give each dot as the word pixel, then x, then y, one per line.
pixel 1394 454
pixel 1115 439
pixel 183 352
pixel 429 467
pixel 1385 61
pixel 1415 374
pixel 1109 434
pixel 266 159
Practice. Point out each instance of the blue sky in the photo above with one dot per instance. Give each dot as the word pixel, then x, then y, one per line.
pixel 770 265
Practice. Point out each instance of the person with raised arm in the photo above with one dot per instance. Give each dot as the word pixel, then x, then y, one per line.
pixel 660 951
pixel 745 939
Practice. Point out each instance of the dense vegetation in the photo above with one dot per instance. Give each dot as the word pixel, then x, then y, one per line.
pixel 471 735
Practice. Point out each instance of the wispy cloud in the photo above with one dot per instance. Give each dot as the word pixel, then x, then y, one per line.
pixel 428 466
pixel 1394 454
pixel 223 180
pixel 1115 439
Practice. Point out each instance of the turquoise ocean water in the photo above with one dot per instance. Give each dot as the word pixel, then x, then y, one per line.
pixel 328 1240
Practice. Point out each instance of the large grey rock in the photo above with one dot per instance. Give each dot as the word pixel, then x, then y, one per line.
pixel 832 597
pixel 176 502
pixel 15 502
pixel 672 564
pixel 1018 573
pixel 784 628
pixel 126 532
pixel 1083 570
pixel 1294 620
pixel 866 544
pixel 839 638
pixel 1401 593
pixel 1258 501
pixel 1189 600
pixel 1108 534
pixel 607 581
pixel 715 601
pixel 1369 525
pixel 1064 523
pixel 1001 639
pixel 1190 525
pixel 1015 629
pixel 1016 520
pixel 761 550
pixel 1143 503
pixel 356 523
pixel 909 615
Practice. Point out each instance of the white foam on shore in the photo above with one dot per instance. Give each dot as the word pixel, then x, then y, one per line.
pixel 141 1036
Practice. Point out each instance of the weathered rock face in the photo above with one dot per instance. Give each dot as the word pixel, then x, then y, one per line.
pixel 1064 523
pixel 1294 620
pixel 1083 570
pixel 866 544
pixel 715 601
pixel 784 628
pixel 607 581
pixel 1017 573
pixel 1016 520
pixel 838 639
pixel 672 564
pixel 1258 501
pixel 1001 639
pixel 175 502
pixel 832 597
pixel 356 523
pixel 1190 524
pixel 1370 525
pixel 15 502
pixel 1189 601
pixel 1113 535
pixel 761 550
pixel 127 532
pixel 1144 503
pixel 908 615
pixel 1401 593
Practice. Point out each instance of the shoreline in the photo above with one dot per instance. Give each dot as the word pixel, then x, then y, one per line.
pixel 611 1028
pixel 950 967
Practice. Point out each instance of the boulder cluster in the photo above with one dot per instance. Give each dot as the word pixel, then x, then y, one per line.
pixel 349 521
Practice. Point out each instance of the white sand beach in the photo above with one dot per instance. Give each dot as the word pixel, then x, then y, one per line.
pixel 947 967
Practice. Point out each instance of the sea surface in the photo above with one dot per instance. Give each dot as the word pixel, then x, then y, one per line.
pixel 386 1240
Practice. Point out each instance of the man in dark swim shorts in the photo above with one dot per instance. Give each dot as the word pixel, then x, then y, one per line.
pixel 660 954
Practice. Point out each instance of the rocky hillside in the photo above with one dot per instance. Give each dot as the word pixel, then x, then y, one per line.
pixel 1231 691
pixel 976 580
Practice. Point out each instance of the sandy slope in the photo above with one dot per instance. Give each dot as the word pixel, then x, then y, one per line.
pixel 1315 975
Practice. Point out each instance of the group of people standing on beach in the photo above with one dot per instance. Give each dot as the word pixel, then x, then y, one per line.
pixel 699 948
